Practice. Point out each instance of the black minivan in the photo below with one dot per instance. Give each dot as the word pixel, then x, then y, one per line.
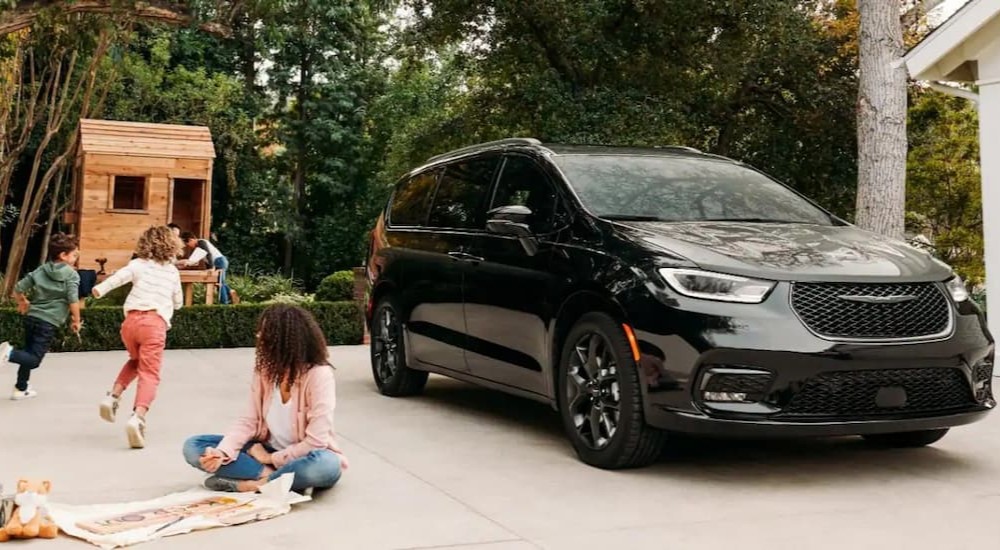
pixel 648 291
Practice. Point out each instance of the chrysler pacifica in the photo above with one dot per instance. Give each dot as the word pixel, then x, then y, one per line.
pixel 648 291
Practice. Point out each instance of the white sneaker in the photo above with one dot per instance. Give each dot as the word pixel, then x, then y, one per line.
pixel 109 408
pixel 5 349
pixel 136 430
pixel 18 395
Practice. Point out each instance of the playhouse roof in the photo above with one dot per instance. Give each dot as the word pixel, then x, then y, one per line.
pixel 140 139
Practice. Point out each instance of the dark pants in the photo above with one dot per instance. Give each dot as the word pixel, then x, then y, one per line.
pixel 38 336
pixel 222 263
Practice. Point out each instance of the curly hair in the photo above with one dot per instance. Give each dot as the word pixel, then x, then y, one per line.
pixel 61 243
pixel 289 343
pixel 158 243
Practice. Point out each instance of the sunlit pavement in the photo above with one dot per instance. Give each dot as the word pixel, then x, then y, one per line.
pixel 462 467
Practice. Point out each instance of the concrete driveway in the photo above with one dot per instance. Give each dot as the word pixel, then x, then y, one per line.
pixel 467 468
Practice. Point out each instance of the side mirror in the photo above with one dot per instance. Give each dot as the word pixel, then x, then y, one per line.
pixel 513 220
pixel 514 213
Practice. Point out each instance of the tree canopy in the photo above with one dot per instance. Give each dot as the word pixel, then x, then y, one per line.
pixel 316 108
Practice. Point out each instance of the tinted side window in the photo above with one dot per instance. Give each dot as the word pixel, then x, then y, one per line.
pixel 522 183
pixel 460 202
pixel 411 199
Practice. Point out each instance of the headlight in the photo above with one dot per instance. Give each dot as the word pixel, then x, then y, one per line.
pixel 957 289
pixel 717 286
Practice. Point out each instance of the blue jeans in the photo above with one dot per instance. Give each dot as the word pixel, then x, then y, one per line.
pixel 319 468
pixel 222 263
pixel 38 336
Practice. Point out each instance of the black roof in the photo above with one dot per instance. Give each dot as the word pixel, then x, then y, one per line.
pixel 571 149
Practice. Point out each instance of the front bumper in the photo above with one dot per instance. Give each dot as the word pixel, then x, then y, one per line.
pixel 705 425
pixel 812 386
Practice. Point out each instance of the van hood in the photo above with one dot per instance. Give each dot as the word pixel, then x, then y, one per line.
pixel 791 252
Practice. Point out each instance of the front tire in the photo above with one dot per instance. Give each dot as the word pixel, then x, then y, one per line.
pixel 907 439
pixel 392 376
pixel 600 400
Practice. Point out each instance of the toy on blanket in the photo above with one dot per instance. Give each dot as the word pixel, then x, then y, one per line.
pixel 29 518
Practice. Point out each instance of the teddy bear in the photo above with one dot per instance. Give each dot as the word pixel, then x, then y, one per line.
pixel 29 518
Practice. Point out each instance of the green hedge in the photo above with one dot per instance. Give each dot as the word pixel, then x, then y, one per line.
pixel 193 327
pixel 336 287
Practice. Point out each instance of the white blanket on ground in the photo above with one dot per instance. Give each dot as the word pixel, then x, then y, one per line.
pixel 108 525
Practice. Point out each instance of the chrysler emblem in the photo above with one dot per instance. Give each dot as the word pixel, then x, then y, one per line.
pixel 879 299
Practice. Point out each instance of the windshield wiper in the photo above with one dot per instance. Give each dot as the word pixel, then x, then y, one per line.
pixel 753 220
pixel 631 218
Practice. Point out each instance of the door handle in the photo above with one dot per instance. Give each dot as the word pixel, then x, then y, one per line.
pixel 464 257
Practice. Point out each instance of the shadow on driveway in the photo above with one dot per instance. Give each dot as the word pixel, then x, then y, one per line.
pixel 740 461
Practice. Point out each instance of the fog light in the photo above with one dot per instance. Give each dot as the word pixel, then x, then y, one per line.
pixel 724 396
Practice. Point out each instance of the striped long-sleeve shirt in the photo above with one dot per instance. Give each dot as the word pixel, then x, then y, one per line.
pixel 155 287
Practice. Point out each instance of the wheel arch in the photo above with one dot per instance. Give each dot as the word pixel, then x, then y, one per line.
pixel 579 303
pixel 375 295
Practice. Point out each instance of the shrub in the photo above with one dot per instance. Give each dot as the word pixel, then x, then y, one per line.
pixel 293 298
pixel 979 296
pixel 261 288
pixel 253 288
pixel 336 287
pixel 193 327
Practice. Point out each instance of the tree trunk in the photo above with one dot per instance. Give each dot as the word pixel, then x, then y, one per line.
pixel 54 210
pixel 65 92
pixel 25 14
pixel 881 119
pixel 299 176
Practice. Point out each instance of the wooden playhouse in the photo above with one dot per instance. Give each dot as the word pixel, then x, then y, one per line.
pixel 129 176
pixel 132 175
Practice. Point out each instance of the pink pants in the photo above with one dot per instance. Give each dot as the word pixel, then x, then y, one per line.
pixel 144 334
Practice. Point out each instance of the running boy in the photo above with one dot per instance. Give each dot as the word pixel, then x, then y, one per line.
pixel 55 288
pixel 149 307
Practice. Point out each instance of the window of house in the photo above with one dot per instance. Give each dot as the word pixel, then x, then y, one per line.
pixel 129 193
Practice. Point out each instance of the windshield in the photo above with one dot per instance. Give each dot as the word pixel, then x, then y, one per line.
pixel 678 189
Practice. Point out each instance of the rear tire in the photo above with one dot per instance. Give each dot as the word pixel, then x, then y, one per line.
pixel 388 354
pixel 906 439
pixel 600 398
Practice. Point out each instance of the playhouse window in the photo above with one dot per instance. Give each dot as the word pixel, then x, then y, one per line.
pixel 129 193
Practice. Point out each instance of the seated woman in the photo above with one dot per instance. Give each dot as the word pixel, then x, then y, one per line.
pixel 288 426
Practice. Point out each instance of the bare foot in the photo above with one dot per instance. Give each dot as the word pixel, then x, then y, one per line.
pixel 252 485
pixel 249 486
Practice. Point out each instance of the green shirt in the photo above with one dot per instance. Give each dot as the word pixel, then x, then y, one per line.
pixel 53 286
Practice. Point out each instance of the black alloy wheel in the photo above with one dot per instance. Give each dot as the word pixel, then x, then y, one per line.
pixel 392 375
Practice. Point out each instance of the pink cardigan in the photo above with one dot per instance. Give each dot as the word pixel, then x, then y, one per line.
pixel 313 400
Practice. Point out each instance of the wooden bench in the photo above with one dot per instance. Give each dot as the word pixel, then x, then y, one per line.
pixel 210 278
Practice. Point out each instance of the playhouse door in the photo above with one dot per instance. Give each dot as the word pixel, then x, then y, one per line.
pixel 188 205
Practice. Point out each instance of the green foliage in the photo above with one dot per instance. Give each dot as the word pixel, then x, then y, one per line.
pixel 307 155
pixel 255 288
pixel 261 288
pixel 336 287
pixel 193 327
pixel 944 194
pixel 323 74
pixel 292 298
pixel 762 80
pixel 979 296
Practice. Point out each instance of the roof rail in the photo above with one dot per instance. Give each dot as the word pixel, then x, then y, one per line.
pixel 471 148
pixel 678 147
